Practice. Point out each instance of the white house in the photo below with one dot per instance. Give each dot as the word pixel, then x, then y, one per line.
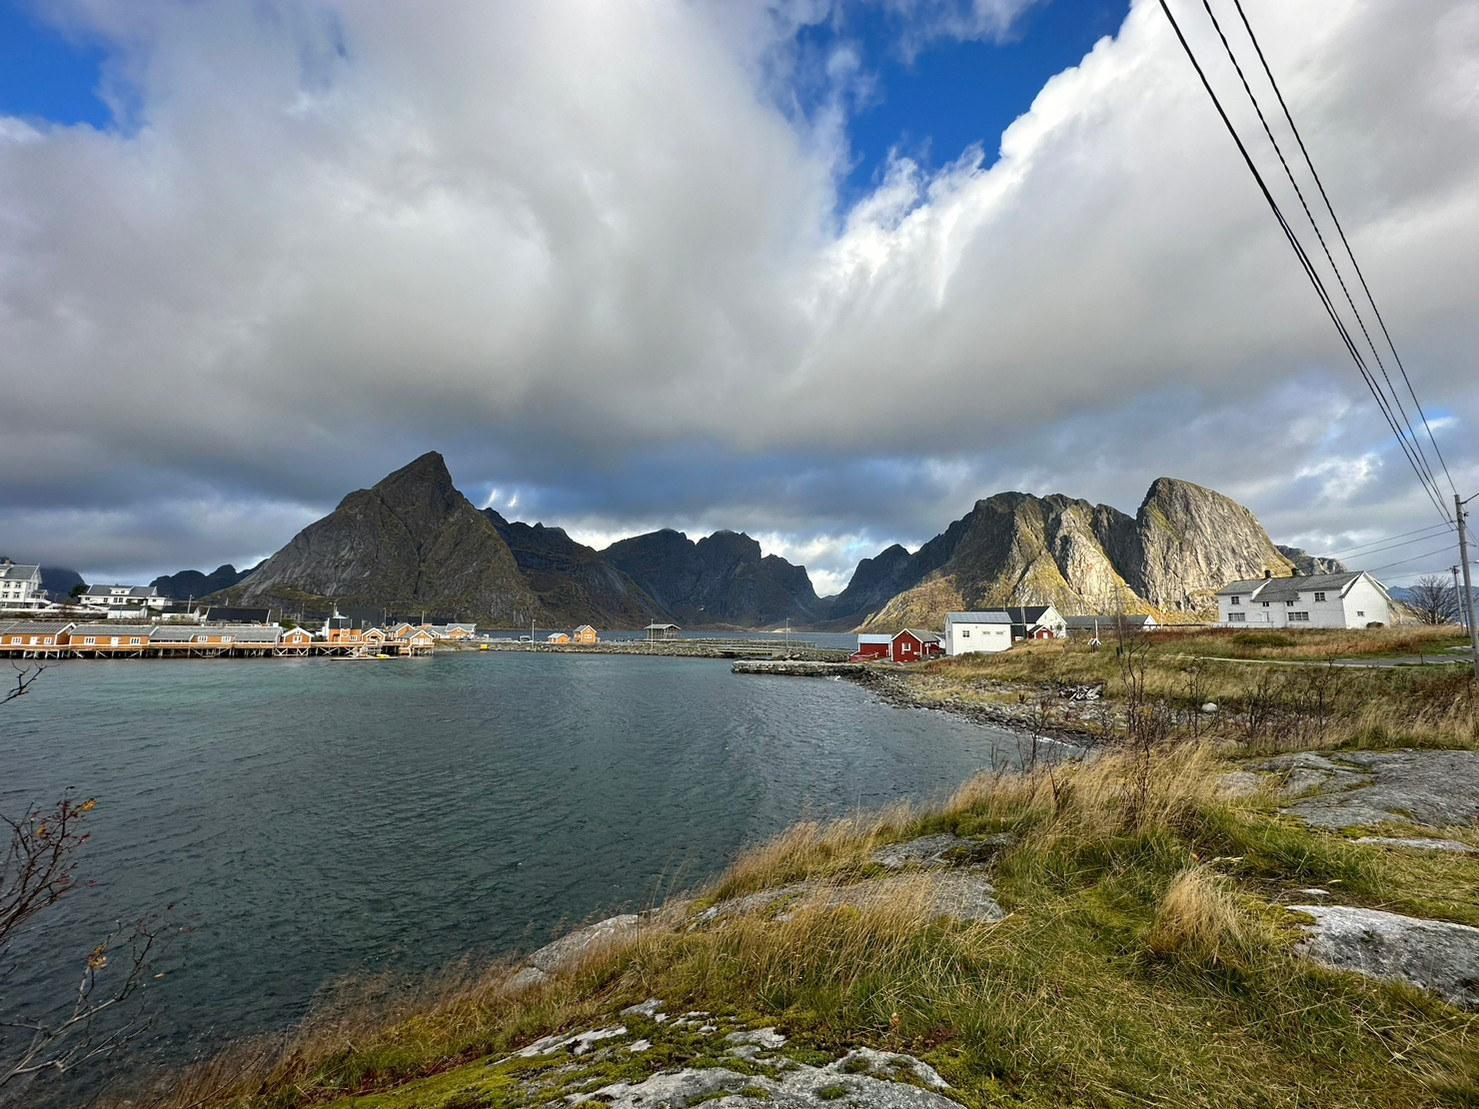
pixel 135 597
pixel 973 632
pixel 1349 600
pixel 20 588
pixel 1037 622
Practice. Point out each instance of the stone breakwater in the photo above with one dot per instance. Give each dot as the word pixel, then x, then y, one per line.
pixel 1074 714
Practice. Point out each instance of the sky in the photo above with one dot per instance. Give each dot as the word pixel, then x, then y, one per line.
pixel 824 271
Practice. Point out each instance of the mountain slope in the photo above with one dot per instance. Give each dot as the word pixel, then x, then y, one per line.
pixel 1183 543
pixel 189 584
pixel 410 543
pixel 721 579
pixel 575 584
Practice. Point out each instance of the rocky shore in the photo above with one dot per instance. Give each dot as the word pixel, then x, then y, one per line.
pixel 1073 714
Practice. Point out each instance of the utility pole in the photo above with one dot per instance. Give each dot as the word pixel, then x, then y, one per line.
pixel 1463 613
pixel 1463 558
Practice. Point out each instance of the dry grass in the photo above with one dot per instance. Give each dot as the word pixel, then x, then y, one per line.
pixel 1262 707
pixel 813 850
pixel 1199 919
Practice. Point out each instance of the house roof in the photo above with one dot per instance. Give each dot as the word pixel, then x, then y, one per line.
pixel 923 637
pixel 113 629
pixel 1109 620
pixel 1289 589
pixel 140 591
pixel 874 639
pixel 181 633
pixel 253 633
pixel 1026 614
pixel 33 627
pixel 662 628
pixel 993 616
pixel 12 571
pixel 584 628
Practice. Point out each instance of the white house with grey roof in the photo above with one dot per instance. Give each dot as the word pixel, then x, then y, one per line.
pixel 1350 600
pixel 977 632
pixel 123 598
pixel 20 588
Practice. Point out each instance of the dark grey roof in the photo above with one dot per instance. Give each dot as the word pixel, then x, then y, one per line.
pixel 1243 585
pixel 923 637
pixel 15 572
pixel 1107 621
pixel 1289 589
pixel 130 591
pixel 1026 614
pixel 253 633
pixel 111 629
pixel 992 616
pixel 33 627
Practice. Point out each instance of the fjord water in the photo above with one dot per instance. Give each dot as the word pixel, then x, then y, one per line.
pixel 313 819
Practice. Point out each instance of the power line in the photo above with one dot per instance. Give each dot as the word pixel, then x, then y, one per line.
pixel 1415 558
pixel 1395 546
pixel 1320 184
pixel 1429 532
pixel 1428 487
pixel 1391 396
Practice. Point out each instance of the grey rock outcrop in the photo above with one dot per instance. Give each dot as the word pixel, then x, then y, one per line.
pixel 1430 954
pixel 1431 788
pixel 1307 563
pixel 799 1087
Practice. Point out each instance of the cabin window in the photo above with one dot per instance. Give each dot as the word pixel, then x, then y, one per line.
pixel 88 641
pixel 1236 600
pixel 1265 604
pixel 1299 617
pixel 1237 617
pixel 1319 596
pixel 1360 613
pixel 965 635
pixel 133 641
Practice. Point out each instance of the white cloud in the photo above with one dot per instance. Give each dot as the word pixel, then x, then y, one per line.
pixel 551 238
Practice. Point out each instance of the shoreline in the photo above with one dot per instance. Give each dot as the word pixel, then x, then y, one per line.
pixel 1079 724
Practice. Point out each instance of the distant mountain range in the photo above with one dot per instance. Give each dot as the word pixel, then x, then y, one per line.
pixel 414 543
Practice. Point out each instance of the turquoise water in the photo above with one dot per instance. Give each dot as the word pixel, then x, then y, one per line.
pixel 315 818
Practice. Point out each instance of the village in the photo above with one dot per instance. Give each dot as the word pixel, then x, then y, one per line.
pixel 111 621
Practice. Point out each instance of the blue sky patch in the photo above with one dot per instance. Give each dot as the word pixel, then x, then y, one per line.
pixel 46 76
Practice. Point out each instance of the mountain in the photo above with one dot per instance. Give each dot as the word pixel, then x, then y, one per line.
pixel 575 584
pixel 58 581
pixel 189 584
pixel 1307 563
pixel 721 579
pixel 410 543
pixel 1182 544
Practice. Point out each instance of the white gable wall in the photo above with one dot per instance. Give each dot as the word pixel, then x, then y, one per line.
pixel 965 639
